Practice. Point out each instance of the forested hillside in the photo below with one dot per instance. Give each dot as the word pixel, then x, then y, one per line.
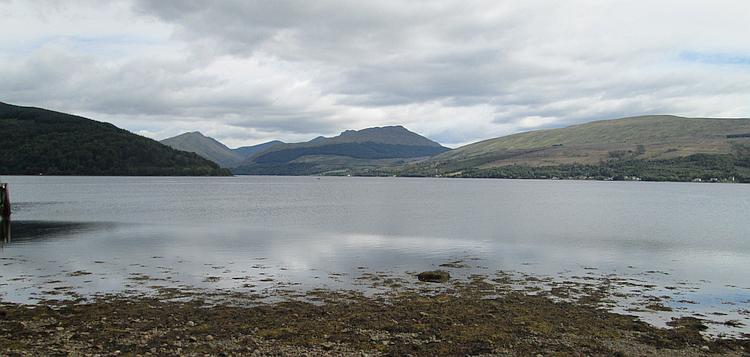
pixel 37 141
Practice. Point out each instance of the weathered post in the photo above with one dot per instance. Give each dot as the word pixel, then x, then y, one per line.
pixel 4 201
pixel 4 214
pixel 4 231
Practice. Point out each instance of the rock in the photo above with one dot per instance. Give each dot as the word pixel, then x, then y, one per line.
pixel 688 322
pixel 733 323
pixel 456 264
pixel 327 345
pixel 705 348
pixel 191 323
pixel 435 276
pixel 209 338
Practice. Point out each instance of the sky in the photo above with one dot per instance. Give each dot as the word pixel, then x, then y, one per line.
pixel 245 72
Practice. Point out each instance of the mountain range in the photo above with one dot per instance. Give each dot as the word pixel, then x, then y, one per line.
pixel 364 150
pixel 212 149
pixel 656 147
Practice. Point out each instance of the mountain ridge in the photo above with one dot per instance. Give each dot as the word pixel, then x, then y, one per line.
pixel 214 150
pixel 366 148
pixel 248 151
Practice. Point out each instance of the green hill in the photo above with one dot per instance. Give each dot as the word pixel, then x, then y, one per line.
pixel 364 150
pixel 658 147
pixel 38 141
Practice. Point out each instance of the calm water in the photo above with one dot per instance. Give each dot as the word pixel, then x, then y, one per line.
pixel 263 233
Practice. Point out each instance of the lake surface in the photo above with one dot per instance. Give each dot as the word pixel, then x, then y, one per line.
pixel 79 236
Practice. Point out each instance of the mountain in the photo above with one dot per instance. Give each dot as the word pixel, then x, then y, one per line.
pixel 208 148
pixel 38 141
pixel 247 151
pixel 211 149
pixel 659 147
pixel 365 150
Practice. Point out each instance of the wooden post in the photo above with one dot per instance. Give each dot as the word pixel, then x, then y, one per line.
pixel 4 231
pixel 4 201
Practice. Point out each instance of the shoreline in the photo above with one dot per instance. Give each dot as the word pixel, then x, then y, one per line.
pixel 476 315
pixel 320 175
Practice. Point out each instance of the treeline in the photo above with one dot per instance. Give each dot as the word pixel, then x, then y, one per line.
pixel 37 141
pixel 706 167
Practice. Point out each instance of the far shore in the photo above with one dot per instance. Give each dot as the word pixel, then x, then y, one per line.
pixel 610 179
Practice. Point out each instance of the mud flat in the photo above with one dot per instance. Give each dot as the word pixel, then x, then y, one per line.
pixel 476 315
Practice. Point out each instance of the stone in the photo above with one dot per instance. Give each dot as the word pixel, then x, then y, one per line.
pixel 435 276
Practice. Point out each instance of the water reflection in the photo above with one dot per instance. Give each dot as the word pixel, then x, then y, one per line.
pixel 38 231
pixel 254 233
pixel 76 259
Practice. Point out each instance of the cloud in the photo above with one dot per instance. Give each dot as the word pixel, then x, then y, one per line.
pixel 250 71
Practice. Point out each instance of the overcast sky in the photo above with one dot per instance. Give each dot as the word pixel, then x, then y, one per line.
pixel 456 71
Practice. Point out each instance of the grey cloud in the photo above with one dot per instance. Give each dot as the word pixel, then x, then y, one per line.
pixel 454 70
pixel 397 52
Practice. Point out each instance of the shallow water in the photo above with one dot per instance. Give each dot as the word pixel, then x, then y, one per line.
pixel 78 236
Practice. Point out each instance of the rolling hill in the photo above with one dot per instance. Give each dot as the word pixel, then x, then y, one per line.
pixel 662 147
pixel 38 141
pixel 363 150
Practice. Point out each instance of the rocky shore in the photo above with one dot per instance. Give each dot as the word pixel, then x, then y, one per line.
pixel 473 316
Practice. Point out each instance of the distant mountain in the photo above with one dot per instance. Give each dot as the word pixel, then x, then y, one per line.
pixel 367 149
pixel 659 147
pixel 208 148
pixel 247 151
pixel 38 141
pixel 211 149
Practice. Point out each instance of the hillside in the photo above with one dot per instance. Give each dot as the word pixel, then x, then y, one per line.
pixel 668 145
pixel 359 150
pixel 38 141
